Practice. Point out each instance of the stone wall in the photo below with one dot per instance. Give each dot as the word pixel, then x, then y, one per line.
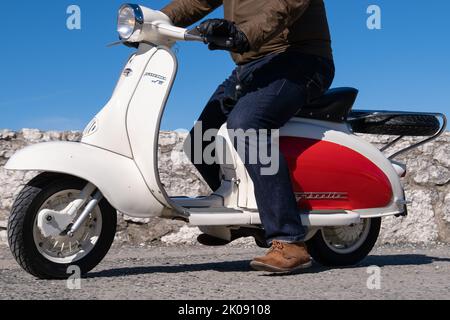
pixel 427 186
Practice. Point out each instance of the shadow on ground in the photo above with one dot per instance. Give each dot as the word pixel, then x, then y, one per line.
pixel 243 266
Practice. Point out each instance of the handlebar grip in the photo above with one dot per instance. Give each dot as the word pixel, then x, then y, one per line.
pixel 194 35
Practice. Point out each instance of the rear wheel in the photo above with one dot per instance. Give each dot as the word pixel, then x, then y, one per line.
pixel 50 257
pixel 344 246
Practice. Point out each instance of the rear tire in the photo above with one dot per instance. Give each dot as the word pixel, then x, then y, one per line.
pixel 327 254
pixel 22 224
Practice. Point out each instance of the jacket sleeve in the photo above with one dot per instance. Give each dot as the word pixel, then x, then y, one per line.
pixel 183 13
pixel 276 16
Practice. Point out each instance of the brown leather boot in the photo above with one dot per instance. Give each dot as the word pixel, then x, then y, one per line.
pixel 283 257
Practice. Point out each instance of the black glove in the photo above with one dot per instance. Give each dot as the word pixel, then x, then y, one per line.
pixel 222 34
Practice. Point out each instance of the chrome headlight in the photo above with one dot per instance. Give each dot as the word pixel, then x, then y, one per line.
pixel 130 22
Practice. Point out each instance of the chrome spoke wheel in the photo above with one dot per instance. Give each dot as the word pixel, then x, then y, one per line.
pixel 63 249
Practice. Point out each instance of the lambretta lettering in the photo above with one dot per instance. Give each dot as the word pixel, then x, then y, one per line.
pixel 193 311
pixel 154 75
pixel 156 78
pixel 321 196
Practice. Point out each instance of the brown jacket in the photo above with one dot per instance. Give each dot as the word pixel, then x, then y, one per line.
pixel 271 26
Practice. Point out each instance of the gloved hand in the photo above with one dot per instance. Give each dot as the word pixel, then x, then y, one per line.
pixel 222 34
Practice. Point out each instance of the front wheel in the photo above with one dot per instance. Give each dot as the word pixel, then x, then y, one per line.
pixel 51 257
pixel 344 246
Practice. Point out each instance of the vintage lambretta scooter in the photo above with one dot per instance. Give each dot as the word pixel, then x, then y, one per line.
pixel 344 185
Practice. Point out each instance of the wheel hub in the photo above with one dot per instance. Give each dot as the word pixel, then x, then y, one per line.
pixel 50 235
pixel 348 238
pixel 53 223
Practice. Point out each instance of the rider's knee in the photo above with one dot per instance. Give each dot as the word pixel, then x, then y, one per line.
pixel 236 122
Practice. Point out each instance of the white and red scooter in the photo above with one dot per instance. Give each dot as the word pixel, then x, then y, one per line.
pixel 67 214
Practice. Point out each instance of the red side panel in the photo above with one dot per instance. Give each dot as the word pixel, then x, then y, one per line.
pixel 326 175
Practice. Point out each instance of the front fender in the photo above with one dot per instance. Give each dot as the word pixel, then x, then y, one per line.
pixel 116 176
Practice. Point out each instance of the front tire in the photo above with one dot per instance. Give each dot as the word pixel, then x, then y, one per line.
pixel 32 251
pixel 344 246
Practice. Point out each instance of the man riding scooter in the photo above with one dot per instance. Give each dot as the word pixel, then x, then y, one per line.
pixel 284 60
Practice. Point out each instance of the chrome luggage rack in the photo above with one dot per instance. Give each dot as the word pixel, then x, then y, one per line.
pixel 432 125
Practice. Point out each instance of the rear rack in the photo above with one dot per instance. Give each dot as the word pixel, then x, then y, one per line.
pixel 400 124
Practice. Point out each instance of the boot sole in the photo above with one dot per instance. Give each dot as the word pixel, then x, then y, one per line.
pixel 259 266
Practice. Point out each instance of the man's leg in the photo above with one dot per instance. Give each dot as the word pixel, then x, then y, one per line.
pixel 214 115
pixel 270 108
pixel 276 91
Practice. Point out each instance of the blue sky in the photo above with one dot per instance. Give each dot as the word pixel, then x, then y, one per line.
pixel 53 78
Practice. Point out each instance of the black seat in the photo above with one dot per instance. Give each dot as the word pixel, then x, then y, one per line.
pixel 334 105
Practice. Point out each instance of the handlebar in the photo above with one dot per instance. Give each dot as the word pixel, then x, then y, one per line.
pixel 177 34
pixel 194 35
pixel 190 37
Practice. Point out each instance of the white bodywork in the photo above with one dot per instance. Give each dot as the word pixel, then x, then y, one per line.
pixel 118 152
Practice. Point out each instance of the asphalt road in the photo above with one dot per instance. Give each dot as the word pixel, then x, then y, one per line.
pixel 223 273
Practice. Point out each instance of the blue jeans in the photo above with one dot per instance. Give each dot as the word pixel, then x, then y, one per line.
pixel 266 94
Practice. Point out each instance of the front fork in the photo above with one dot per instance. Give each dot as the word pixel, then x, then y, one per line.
pixel 86 212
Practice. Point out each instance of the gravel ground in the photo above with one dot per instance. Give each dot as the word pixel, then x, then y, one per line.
pixel 196 272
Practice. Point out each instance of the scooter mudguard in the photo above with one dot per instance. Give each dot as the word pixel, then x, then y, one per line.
pixel 116 176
